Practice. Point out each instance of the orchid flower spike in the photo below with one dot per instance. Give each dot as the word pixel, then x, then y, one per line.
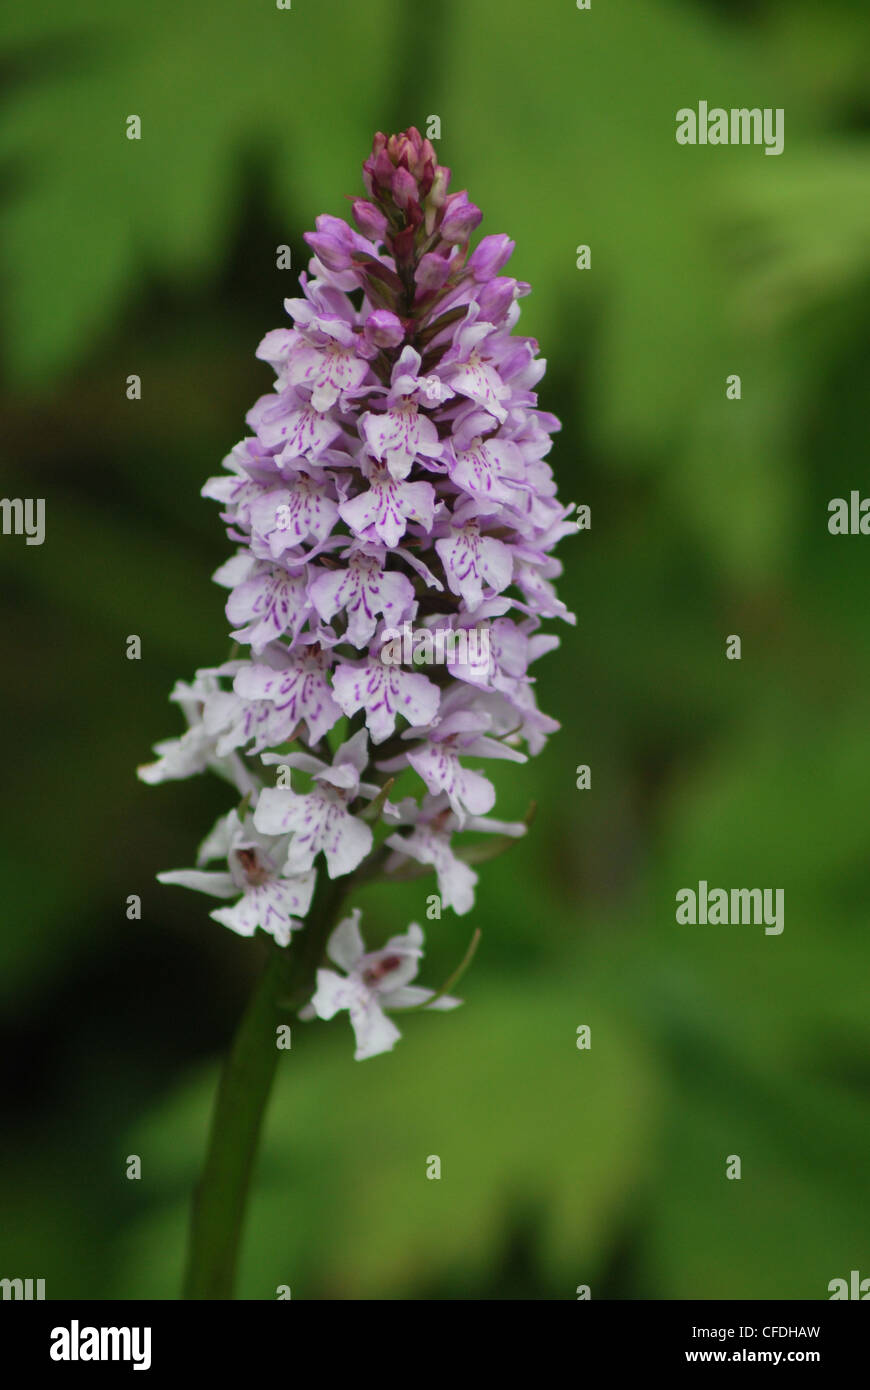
pixel 393 517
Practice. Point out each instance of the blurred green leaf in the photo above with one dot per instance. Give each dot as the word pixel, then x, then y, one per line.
pixel 342 1207
pixel 102 206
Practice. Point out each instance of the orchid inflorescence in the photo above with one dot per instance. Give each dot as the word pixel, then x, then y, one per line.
pixel 395 475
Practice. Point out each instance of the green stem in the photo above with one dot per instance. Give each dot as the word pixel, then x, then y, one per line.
pixel 221 1196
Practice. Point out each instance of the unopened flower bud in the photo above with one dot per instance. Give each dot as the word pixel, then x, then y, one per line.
pixel 460 218
pixel 432 271
pixel 370 220
pixel 488 257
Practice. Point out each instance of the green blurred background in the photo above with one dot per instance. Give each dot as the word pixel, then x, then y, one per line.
pixel 709 517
